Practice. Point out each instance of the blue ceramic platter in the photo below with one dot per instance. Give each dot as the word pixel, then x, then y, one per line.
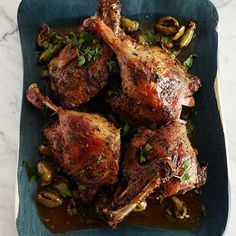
pixel 209 135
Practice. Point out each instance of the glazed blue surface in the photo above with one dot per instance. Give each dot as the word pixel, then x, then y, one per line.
pixel 209 133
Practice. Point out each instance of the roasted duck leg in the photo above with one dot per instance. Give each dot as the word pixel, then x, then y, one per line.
pixel 152 81
pixel 157 158
pixel 85 146
pixel 75 85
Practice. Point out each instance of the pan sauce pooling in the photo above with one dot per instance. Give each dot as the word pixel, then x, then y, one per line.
pixel 116 159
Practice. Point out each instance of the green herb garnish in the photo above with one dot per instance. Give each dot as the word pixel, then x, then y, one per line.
pixel 64 190
pixel 150 38
pixel 144 153
pixel 111 92
pixel 165 39
pixel 30 170
pixel 176 53
pixel 125 130
pixel 189 62
pixel 198 191
pixel 150 169
pixel 185 176
pixel 113 67
pixel 185 165
pixel 82 187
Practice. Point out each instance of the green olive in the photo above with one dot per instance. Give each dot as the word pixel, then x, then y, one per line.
pixel 45 172
pixel 188 35
pixel 179 33
pixel 49 199
pixel 180 208
pixel 44 150
pixel 140 207
pixel 129 25
pixel 167 25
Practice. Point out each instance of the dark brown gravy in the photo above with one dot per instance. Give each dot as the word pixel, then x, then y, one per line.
pixel 57 220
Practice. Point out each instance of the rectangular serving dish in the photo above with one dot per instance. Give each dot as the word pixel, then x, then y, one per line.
pixel 209 132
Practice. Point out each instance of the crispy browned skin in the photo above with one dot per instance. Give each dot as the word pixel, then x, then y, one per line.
pixel 76 85
pixel 151 78
pixel 85 146
pixel 170 150
pixel 89 151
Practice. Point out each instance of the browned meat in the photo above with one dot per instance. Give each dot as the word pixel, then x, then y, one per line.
pixel 77 85
pixel 86 146
pixel 151 80
pixel 168 161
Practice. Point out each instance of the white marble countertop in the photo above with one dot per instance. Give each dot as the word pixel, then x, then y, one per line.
pixel 11 74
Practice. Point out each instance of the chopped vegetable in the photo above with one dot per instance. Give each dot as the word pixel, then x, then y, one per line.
pixel 144 153
pixel 30 170
pixel 185 166
pixel 150 169
pixel 125 130
pixel 63 189
pixel 111 92
pixel 176 53
pixel 50 52
pixel 189 61
pixel 164 39
pixel 147 38
pixel 113 67
pixel 198 191
pixel 82 187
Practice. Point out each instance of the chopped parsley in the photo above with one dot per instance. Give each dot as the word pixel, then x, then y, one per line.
pixel 111 92
pixel 64 190
pixel 88 47
pixel 113 67
pixel 150 169
pixel 185 165
pixel 30 170
pixel 189 62
pixel 82 187
pixel 165 39
pixel 150 38
pixel 185 176
pixel 176 53
pixel 198 191
pixel 125 129
pixel 144 152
